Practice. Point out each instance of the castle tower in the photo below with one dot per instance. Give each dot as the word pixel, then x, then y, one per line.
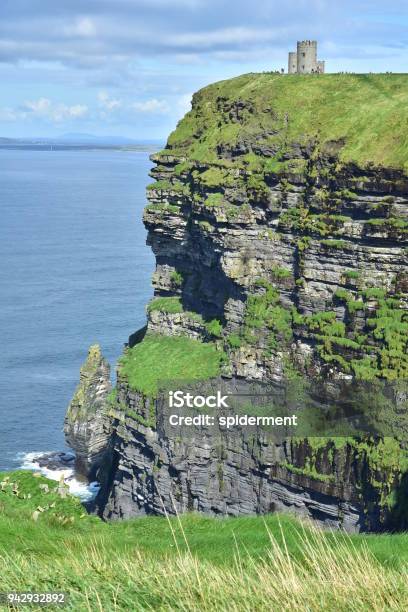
pixel 321 65
pixel 292 62
pixel 306 56
pixel 304 60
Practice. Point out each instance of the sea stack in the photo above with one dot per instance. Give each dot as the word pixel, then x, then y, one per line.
pixel 86 424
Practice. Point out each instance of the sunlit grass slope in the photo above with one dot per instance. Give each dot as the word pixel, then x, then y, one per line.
pixel 366 113
pixel 168 358
pixel 191 563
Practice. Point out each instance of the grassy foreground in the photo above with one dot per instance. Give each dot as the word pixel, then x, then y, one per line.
pixel 192 562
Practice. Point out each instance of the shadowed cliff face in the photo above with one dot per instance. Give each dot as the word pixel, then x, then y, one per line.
pixel 340 482
pixel 291 260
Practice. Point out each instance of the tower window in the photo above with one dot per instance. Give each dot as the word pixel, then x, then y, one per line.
pixel 304 54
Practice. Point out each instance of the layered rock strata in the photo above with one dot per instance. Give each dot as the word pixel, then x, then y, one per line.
pixel 281 244
pixel 87 426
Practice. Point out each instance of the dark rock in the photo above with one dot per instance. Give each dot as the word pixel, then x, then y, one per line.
pixel 87 425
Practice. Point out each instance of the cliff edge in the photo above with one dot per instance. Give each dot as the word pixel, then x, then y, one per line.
pixel 278 216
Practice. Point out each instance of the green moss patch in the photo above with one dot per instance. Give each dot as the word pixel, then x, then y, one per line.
pixel 264 316
pixel 171 305
pixel 334 244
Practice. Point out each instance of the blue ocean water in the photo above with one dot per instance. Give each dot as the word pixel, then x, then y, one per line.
pixel 74 270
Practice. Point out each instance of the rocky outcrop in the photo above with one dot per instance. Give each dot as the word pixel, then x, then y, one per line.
pixel 278 246
pixel 87 426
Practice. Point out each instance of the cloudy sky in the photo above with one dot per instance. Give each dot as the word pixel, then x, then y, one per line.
pixel 129 67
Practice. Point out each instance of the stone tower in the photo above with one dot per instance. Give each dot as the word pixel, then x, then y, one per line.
pixel 321 66
pixel 292 64
pixel 304 60
pixel 306 56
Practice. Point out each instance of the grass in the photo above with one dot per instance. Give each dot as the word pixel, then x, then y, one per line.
pixel 264 312
pixel 186 359
pixel 159 185
pixel 279 273
pixel 385 335
pixel 192 562
pixel 365 113
pixel 171 305
pixel 352 274
pixel 214 328
pixel 176 278
pixel 214 200
pixel 334 244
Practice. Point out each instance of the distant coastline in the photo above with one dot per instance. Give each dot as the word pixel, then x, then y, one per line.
pixel 64 146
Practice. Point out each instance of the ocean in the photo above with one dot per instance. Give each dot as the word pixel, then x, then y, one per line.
pixel 75 270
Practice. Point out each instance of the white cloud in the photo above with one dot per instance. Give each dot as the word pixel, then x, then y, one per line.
pixel 107 103
pixel 152 106
pixel 184 103
pixel 83 27
pixel 39 107
pixel 76 111
pixel 55 112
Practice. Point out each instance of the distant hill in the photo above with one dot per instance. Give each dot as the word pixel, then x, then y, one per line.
pixel 79 141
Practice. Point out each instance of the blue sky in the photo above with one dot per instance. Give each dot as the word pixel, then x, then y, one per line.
pixel 129 67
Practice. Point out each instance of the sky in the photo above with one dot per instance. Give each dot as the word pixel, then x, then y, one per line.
pixel 129 67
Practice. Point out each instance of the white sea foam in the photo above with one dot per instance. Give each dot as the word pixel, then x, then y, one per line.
pixel 85 491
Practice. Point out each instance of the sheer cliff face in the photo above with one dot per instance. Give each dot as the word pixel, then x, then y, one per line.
pixel 263 216
pixel 265 261
pixel 281 236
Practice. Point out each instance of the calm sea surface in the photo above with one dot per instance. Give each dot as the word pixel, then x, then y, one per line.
pixel 74 270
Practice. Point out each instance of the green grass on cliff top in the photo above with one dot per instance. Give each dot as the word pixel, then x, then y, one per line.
pixel 368 111
pixel 195 563
pixel 168 358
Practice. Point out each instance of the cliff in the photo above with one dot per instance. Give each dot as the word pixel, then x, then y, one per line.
pixel 278 218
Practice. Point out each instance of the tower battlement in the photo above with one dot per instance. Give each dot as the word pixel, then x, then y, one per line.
pixel 304 59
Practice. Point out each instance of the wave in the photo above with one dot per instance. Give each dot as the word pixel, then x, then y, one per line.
pixel 55 465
